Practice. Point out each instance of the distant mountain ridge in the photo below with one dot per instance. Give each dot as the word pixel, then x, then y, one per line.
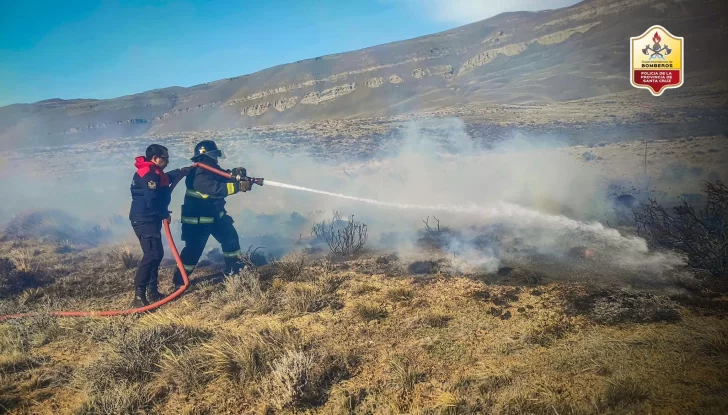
pixel 514 58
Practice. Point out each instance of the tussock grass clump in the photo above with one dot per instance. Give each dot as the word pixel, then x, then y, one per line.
pixel 314 295
pixel 124 256
pixel 30 295
pixel 363 289
pixel 493 382
pixel 19 272
pixel 300 379
pixel 304 297
pixel 623 392
pixel 405 373
pixel 22 258
pixel 123 397
pixel 237 359
pixel 184 371
pixel 36 330
pixel 400 294
pixel 134 357
pixel 292 266
pixel 714 342
pixel 369 311
pixel 18 362
pixel 243 292
pixel 432 319
pixel 240 359
pixel 290 382
pixel 423 267
pixel 29 382
pixel 107 330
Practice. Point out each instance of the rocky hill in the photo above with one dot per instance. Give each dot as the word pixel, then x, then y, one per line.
pixel 513 58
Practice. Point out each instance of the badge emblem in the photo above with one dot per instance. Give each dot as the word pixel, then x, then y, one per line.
pixel 656 60
pixel 152 185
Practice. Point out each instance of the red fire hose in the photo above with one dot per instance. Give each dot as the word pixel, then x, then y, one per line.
pixel 152 306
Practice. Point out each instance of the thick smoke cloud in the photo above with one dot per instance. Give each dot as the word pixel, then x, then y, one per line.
pixel 527 200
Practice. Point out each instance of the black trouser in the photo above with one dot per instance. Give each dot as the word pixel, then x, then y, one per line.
pixel 196 236
pixel 150 238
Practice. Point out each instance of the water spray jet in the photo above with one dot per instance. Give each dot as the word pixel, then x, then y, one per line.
pixel 500 211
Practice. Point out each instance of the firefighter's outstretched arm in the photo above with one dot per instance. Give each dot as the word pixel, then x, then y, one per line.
pixel 209 184
pixel 178 174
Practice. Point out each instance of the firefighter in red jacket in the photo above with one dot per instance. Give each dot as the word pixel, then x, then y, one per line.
pixel 151 193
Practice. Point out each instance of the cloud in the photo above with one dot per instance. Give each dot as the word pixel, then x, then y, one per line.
pixel 468 11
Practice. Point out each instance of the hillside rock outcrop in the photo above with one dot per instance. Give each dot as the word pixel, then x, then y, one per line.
pixel 395 79
pixel 255 110
pixel 284 104
pixel 316 98
pixel 375 82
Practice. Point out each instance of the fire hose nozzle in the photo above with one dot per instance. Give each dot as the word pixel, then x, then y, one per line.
pixel 256 180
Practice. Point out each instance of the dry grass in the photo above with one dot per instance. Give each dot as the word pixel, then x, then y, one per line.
pixel 124 256
pixel 184 371
pixel 243 292
pixel 291 266
pixel 244 358
pixel 368 311
pixel 23 260
pixel 303 298
pixel 133 361
pixel 431 319
pixel 400 294
pixel 623 392
pixel 123 397
pixel 327 340
pixel 290 382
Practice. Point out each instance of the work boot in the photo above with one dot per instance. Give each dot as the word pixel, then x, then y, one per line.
pixel 233 266
pixel 140 298
pixel 153 294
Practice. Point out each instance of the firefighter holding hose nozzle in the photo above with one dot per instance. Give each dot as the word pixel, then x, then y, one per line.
pixel 203 210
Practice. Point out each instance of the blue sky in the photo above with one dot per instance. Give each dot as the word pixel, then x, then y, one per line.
pixel 105 49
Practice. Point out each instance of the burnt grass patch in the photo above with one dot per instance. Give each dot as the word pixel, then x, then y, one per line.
pixel 423 267
pixel 620 306
pixel 705 306
pixel 13 281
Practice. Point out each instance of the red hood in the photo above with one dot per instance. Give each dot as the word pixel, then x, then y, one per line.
pixel 140 163
pixel 144 167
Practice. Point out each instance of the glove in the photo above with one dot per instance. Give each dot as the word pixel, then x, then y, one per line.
pixel 239 173
pixel 245 185
pixel 241 186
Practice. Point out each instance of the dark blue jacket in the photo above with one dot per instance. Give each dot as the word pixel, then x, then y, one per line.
pixel 151 192
pixel 206 193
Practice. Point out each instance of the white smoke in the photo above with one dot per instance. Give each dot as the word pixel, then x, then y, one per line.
pixel 534 197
